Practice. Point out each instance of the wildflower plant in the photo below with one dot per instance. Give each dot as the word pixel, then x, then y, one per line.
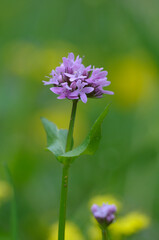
pixel 74 81
pixel 104 215
pixel 126 225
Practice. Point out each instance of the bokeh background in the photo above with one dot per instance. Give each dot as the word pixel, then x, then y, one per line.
pixel 121 36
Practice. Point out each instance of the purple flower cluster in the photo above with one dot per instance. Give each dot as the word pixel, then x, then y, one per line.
pixel 104 214
pixel 73 80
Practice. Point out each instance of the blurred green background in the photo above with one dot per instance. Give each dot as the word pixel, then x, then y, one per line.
pixel 121 36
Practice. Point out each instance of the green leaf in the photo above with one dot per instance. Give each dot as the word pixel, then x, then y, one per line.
pixel 56 138
pixel 91 142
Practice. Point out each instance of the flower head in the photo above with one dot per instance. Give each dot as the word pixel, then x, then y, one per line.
pixel 104 214
pixel 73 80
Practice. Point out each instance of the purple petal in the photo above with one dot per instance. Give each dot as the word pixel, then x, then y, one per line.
pixel 108 92
pixel 73 79
pixel 94 208
pixel 88 68
pixel 65 85
pixel 90 80
pixel 60 69
pixel 65 61
pixel 51 81
pixel 75 93
pixel 78 60
pixel 56 90
pixel 82 77
pixel 72 97
pixel 69 75
pixel 73 85
pixel 105 84
pixel 78 84
pixel 83 97
pixel 88 89
pixel 53 73
pixel 71 56
pixel 62 96
pixel 78 77
pixel 112 208
pixel 110 218
pixel 47 83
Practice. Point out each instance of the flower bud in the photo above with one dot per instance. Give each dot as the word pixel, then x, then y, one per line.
pixel 104 214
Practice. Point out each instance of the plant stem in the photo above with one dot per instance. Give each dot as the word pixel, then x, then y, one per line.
pixel 64 186
pixel 104 234
pixel 62 214
pixel 69 142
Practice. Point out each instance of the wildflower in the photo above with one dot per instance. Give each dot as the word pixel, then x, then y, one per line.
pixel 72 232
pixel 72 80
pixel 104 214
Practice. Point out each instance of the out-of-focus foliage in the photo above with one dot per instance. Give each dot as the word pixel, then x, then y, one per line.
pixel 5 191
pixel 121 36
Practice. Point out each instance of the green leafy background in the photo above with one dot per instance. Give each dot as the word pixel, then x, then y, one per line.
pixel 122 36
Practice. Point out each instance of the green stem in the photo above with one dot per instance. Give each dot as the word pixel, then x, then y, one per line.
pixel 64 186
pixel 69 142
pixel 62 214
pixel 104 234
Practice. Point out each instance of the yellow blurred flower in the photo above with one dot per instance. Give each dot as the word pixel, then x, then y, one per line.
pixel 72 232
pixel 133 79
pixel 5 191
pixel 94 232
pixel 130 224
pixel 100 199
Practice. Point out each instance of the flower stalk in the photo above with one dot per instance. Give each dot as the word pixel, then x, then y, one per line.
pixel 104 234
pixel 69 143
pixel 64 186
